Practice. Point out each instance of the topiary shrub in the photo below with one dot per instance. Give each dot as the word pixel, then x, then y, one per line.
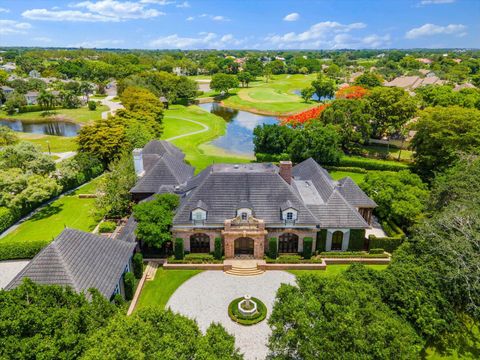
pixel 272 248
pixel 357 240
pixel 107 227
pixel 321 240
pixel 179 252
pixel 307 247
pixel 129 282
pixel 218 252
pixel 92 105
pixel 138 265
pixel 389 244
pixel 376 251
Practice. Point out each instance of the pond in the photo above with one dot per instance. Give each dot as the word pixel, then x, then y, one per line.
pixel 238 137
pixel 314 96
pixel 58 128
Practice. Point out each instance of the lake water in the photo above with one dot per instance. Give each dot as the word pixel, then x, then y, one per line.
pixel 314 96
pixel 238 137
pixel 58 128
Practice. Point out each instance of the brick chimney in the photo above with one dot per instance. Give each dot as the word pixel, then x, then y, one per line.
pixel 286 171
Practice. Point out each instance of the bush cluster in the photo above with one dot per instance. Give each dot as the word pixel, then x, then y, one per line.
pixel 10 250
pixel 179 252
pixel 107 227
pixel 138 265
pixel 371 164
pixel 129 282
pixel 218 253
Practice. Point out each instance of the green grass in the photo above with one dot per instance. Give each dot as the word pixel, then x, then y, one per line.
pixel 393 153
pixel 81 115
pixel 337 175
pixel 67 211
pixel 332 270
pixel 57 143
pixel 199 153
pixel 158 291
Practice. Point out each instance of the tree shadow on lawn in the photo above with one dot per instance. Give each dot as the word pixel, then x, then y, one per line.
pixel 47 211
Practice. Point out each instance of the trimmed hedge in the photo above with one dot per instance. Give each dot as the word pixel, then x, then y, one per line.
pixel 357 170
pixel 307 247
pixel 179 252
pixel 196 259
pixel 6 218
pixel 376 251
pixel 357 240
pixel 292 259
pixel 371 164
pixel 321 240
pixel 350 254
pixel 10 250
pixel 261 157
pixel 218 253
pixel 107 227
pixel 138 265
pixel 389 244
pixel 272 248
pixel 129 282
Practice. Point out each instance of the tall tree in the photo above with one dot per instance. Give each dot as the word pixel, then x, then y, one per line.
pixel 324 87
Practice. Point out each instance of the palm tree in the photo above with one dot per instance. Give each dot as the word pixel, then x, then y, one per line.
pixel 46 100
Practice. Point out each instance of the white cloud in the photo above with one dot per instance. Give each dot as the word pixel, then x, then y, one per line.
pixel 121 10
pixel 185 4
pixel 13 27
pixel 103 11
pixel 432 29
pixel 98 44
pixel 320 35
pixel 292 17
pixel 214 17
pixel 42 39
pixel 430 2
pixel 4 10
pixel 204 40
pixel 157 2
pixel 190 18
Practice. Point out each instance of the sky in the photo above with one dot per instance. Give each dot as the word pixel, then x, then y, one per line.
pixel 241 24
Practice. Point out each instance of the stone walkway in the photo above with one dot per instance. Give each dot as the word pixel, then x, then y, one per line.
pixel 9 269
pixel 206 296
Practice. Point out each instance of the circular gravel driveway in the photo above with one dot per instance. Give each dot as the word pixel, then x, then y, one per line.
pixel 205 298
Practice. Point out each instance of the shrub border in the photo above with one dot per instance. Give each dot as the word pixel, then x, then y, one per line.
pixel 261 307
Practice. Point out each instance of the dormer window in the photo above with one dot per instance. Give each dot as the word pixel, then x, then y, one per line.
pixel 244 213
pixel 199 215
pixel 290 215
pixel 244 216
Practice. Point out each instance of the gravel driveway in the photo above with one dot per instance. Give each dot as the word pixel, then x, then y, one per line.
pixel 9 269
pixel 205 298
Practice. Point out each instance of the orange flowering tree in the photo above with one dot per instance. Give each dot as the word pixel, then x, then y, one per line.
pixel 304 116
pixel 351 92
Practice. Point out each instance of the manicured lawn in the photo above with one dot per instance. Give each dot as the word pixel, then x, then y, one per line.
pixel 198 152
pixel 80 115
pixel 67 211
pixel 57 143
pixel 158 291
pixel 405 155
pixel 332 270
pixel 337 175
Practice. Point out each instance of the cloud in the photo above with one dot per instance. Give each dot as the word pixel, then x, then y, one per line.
pixel 292 17
pixel 320 35
pixel 42 39
pixel 435 2
pixel 190 18
pixel 204 40
pixel 432 29
pixel 157 2
pixel 100 11
pixel 185 4
pixel 212 17
pixel 98 44
pixel 13 27
pixel 4 10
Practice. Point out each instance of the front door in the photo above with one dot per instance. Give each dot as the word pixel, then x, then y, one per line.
pixel 243 246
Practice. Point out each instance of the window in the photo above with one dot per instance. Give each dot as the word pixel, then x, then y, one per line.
pixel 289 216
pixel 244 216
pixel 199 215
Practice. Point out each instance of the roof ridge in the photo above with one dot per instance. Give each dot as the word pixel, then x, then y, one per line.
pixel 340 196
pixel 62 260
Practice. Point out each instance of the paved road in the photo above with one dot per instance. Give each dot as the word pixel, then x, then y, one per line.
pixel 206 296
pixel 205 128
pixel 114 106
pixel 63 155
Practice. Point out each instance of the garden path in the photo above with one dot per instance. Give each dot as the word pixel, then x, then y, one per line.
pixel 206 296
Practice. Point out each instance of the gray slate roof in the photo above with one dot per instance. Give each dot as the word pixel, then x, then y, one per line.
pixel 321 179
pixel 338 213
pixel 161 147
pixel 81 260
pixel 353 194
pixel 225 188
pixel 167 170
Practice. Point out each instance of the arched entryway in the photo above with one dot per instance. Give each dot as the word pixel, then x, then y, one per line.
pixel 337 240
pixel 288 243
pixel 244 246
pixel 199 243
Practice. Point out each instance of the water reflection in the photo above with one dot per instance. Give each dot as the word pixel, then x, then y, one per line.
pixel 239 134
pixel 314 96
pixel 58 128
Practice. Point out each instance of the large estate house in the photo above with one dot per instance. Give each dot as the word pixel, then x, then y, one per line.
pixel 245 205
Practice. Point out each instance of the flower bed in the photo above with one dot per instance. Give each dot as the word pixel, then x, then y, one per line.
pixel 241 319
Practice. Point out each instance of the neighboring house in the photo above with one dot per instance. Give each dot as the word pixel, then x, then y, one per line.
pixel 425 60
pixel 7 90
pixel 31 97
pixel 82 261
pixel 247 204
pixel 9 67
pixel 164 101
pixel 413 82
pixel 34 74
